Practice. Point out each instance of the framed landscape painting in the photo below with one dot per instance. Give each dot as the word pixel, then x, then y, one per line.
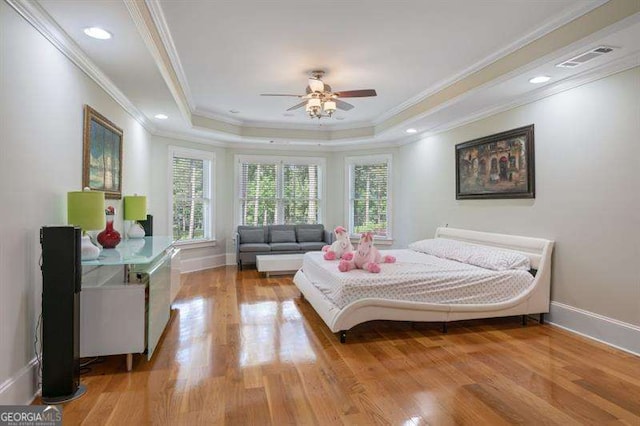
pixel 496 166
pixel 102 154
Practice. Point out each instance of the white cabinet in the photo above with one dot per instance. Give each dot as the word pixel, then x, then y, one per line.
pixel 125 299
pixel 112 319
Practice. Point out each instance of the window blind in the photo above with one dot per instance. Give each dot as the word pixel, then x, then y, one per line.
pixel 279 193
pixel 300 193
pixel 369 195
pixel 191 197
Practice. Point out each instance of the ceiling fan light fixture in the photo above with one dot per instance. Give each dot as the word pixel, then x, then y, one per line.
pixel 314 102
pixel 329 107
pixel 319 100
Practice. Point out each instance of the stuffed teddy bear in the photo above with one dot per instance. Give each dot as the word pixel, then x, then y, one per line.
pixel 366 257
pixel 341 246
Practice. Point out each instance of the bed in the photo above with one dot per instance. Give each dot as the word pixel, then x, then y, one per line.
pixel 334 297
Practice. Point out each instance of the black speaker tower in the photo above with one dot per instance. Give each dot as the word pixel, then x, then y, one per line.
pixel 61 285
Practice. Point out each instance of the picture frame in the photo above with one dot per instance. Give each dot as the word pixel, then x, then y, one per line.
pixel 102 154
pixel 499 166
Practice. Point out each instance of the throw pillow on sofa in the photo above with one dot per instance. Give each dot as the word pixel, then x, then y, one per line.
pixel 251 236
pixel 310 235
pixel 284 236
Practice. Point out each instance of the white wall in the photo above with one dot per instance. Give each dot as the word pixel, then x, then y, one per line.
pixel 587 191
pixel 41 119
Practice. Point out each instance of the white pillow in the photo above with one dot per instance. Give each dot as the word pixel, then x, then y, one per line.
pixel 484 257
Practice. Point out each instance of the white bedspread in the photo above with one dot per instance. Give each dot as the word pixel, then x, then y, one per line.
pixel 415 277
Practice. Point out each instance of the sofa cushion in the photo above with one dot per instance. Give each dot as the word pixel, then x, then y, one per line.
pixel 251 235
pixel 283 236
pixel 277 228
pixel 255 247
pixel 312 246
pixel 285 247
pixel 309 234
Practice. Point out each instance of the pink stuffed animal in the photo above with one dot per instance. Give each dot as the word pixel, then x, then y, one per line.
pixel 341 247
pixel 367 257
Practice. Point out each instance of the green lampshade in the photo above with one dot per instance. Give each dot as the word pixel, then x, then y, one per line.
pixel 86 209
pixel 135 207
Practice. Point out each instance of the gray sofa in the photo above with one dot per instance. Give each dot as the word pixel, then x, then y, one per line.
pixel 252 241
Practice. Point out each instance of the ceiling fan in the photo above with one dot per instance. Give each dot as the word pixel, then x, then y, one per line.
pixel 321 101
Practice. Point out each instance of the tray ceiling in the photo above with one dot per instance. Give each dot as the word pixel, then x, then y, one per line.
pixel 199 61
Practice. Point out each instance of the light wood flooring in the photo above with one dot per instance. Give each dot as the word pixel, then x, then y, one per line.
pixel 246 350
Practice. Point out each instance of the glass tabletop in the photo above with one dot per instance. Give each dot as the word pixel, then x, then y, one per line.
pixel 132 252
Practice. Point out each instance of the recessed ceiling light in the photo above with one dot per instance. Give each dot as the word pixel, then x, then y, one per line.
pixel 97 32
pixel 540 79
pixel 411 130
pixel 234 111
pixel 339 118
pixel 161 116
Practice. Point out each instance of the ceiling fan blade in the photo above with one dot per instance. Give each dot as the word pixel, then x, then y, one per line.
pixel 356 93
pixel 300 105
pixel 343 105
pixel 278 94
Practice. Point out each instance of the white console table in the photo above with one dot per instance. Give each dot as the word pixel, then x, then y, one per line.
pixel 126 297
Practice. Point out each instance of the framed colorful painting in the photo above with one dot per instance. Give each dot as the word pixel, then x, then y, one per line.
pixel 102 154
pixel 496 166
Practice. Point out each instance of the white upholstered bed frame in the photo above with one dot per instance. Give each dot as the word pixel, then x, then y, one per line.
pixel 533 301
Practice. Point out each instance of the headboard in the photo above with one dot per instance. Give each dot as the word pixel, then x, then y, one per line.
pixel 537 249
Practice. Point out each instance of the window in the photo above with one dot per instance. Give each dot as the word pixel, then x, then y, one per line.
pixel 191 202
pixel 369 197
pixel 279 190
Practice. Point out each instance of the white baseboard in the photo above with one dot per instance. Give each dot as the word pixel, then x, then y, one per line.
pixel 22 387
pixel 607 330
pixel 202 263
pixel 231 259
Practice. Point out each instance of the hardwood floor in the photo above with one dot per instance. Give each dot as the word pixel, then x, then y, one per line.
pixel 246 350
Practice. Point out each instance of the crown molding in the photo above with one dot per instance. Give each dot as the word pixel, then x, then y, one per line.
pixel 549 26
pixel 620 65
pixel 568 50
pixel 606 19
pixel 326 126
pixel 151 37
pixel 515 57
pixel 39 19
pixel 165 42
pixel 184 136
pixel 218 117
pixel 157 15
pixel 588 76
pixel 337 138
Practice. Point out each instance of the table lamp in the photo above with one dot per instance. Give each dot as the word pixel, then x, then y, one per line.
pixel 86 210
pixel 135 208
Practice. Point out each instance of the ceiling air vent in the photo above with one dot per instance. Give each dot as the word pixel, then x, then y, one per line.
pixel 587 56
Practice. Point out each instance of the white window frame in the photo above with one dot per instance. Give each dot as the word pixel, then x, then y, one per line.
pixel 361 160
pixel 321 162
pixel 209 220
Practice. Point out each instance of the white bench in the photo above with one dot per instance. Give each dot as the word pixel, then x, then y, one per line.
pixel 280 263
